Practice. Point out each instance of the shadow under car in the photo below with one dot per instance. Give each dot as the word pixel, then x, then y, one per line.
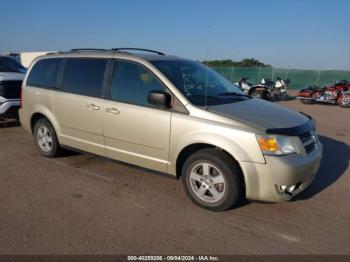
pixel 335 161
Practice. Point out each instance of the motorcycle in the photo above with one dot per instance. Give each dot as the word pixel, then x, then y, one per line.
pixel 277 89
pixel 333 94
pixel 255 90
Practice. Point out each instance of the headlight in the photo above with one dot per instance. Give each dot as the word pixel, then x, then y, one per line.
pixel 276 144
pixel 314 135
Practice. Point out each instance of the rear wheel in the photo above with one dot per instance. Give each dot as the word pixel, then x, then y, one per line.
pixel 45 138
pixel 256 94
pixel 212 179
pixel 344 101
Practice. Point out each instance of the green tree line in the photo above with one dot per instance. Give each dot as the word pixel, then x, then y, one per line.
pixel 246 62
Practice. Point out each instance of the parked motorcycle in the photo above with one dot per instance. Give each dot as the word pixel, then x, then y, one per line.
pixel 255 90
pixel 333 94
pixel 277 89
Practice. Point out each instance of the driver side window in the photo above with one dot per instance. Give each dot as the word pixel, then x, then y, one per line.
pixel 131 84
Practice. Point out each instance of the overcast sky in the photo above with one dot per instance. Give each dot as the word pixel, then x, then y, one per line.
pixel 284 33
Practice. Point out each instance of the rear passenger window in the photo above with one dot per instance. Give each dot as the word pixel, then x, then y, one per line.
pixel 44 73
pixel 131 83
pixel 84 76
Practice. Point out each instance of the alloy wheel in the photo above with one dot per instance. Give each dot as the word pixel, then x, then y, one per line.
pixel 207 182
pixel 44 139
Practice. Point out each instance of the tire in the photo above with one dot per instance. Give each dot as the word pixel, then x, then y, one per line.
pixel 266 96
pixel 283 96
pixel 221 189
pixel 45 138
pixel 256 94
pixel 344 101
pixel 307 101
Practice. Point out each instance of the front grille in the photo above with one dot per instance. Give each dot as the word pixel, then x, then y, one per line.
pixel 10 89
pixel 308 141
pixel 309 148
pixel 305 137
pixel 11 113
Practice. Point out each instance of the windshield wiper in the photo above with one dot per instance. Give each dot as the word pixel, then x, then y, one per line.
pixel 202 95
pixel 233 94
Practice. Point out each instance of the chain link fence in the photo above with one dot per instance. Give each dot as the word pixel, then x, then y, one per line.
pixel 299 78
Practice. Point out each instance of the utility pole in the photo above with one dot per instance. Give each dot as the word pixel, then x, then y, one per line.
pixel 287 72
pixel 318 77
pixel 232 74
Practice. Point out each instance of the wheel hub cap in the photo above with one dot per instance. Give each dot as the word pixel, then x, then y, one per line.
pixel 44 138
pixel 207 182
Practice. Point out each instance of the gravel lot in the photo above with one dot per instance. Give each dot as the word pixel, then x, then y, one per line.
pixel 82 204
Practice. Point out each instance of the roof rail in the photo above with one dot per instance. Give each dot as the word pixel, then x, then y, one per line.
pixel 137 49
pixel 88 49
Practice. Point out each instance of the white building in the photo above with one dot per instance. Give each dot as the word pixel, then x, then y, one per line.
pixel 26 58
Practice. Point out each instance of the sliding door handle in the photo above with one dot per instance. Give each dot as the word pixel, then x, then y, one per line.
pixel 112 111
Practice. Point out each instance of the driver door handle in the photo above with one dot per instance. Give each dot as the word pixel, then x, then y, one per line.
pixel 112 111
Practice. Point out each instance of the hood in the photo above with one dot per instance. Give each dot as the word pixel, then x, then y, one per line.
pixel 4 76
pixel 260 114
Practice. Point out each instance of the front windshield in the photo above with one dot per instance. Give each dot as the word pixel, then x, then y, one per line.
pixel 8 64
pixel 201 85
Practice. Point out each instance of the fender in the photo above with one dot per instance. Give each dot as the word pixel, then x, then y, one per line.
pixel 237 149
pixel 38 108
pixel 258 88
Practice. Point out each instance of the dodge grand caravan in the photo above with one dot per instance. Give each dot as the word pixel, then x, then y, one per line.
pixel 171 115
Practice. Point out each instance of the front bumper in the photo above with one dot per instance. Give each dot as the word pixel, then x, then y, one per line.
pixel 9 108
pixel 263 182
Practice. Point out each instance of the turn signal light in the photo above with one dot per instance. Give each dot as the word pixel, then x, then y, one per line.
pixel 268 144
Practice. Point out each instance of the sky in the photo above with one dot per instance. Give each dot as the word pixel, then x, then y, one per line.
pixel 312 34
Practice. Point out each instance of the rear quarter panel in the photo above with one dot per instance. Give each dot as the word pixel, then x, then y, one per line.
pixel 38 100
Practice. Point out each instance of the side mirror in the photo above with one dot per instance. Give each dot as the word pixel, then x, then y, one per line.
pixel 159 99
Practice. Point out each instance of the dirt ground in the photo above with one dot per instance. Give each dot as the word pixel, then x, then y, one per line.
pixel 82 204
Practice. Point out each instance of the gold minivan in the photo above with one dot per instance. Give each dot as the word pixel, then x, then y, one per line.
pixel 171 115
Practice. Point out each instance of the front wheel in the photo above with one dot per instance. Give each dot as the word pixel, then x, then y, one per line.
pixel 212 179
pixel 283 96
pixel 266 95
pixel 344 101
